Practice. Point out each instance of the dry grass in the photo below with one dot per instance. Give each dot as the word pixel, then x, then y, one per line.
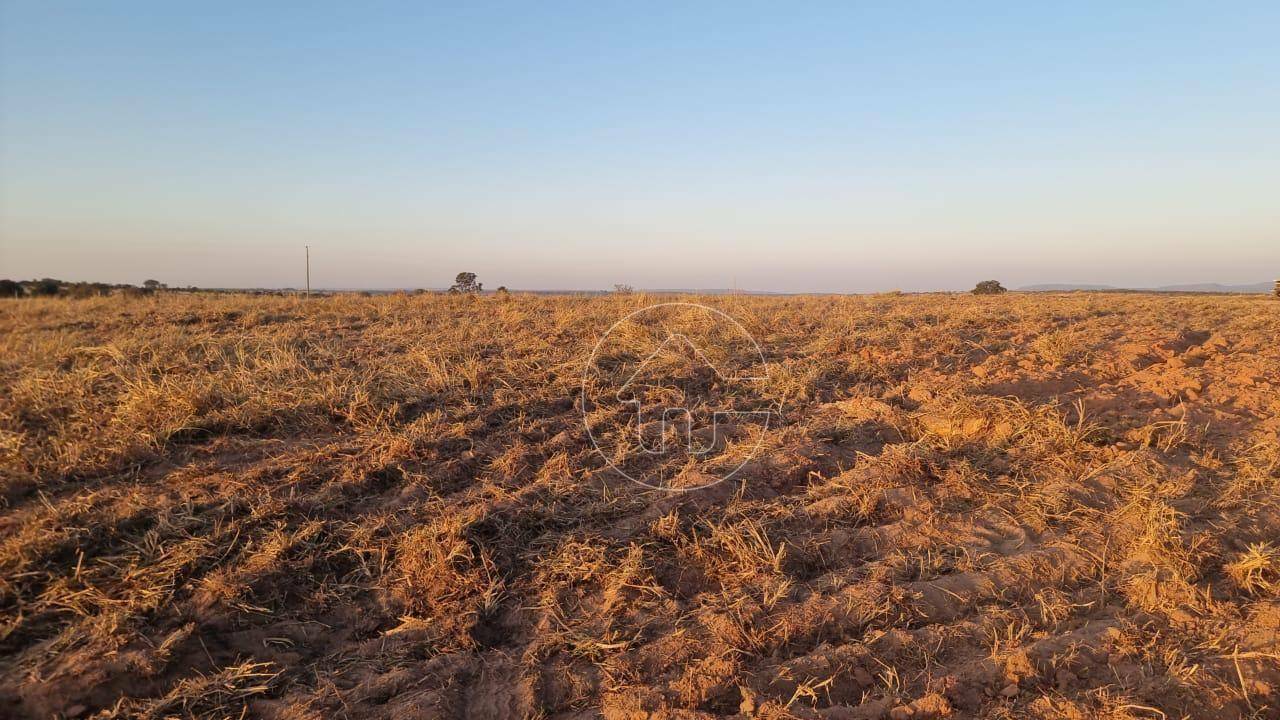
pixel 1015 506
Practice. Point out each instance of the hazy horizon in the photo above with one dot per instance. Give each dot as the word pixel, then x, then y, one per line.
pixel 577 146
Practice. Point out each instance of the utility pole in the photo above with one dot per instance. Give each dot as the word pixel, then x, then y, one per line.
pixel 308 270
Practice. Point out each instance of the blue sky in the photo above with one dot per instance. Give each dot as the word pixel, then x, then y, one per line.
pixel 810 147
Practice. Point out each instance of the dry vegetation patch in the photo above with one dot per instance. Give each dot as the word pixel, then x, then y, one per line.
pixel 1055 506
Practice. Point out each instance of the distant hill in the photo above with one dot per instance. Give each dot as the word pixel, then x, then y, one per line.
pixel 1065 287
pixel 1261 287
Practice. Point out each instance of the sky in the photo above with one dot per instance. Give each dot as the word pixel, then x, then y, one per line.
pixel 804 147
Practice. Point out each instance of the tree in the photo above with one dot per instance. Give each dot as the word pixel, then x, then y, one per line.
pixel 10 289
pixel 623 289
pixel 989 287
pixel 151 284
pixel 46 287
pixel 466 283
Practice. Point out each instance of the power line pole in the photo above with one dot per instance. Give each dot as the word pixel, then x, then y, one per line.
pixel 308 270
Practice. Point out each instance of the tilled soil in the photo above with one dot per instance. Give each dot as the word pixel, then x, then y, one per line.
pixel 1049 506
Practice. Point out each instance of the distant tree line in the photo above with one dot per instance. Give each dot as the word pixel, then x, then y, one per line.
pixel 51 287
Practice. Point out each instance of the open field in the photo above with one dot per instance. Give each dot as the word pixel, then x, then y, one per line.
pixel 1047 506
